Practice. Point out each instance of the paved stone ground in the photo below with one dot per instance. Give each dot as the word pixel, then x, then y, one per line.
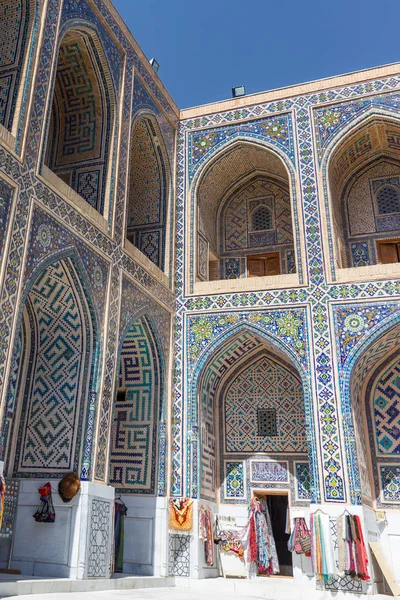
pixel 152 594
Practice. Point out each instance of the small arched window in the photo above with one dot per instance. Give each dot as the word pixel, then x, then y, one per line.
pixel 261 219
pixel 388 199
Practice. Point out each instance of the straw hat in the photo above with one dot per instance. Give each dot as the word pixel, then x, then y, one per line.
pixel 69 486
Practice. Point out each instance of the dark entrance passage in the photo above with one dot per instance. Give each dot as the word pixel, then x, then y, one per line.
pixel 277 508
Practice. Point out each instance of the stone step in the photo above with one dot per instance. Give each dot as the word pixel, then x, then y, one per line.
pixel 19 585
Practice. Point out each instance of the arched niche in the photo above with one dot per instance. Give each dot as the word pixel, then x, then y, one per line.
pixel 16 26
pixel 80 136
pixel 364 187
pixel 149 189
pixel 375 406
pixel 244 180
pixel 53 376
pixel 252 424
pixel 137 412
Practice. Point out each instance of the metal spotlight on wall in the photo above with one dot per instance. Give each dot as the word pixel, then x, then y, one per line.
pixel 238 91
pixel 154 64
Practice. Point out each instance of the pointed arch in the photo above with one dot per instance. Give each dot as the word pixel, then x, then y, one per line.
pixel 254 339
pixel 60 361
pixel 149 190
pixel 360 158
pixel 138 410
pixel 250 158
pixel 378 348
pixel 82 117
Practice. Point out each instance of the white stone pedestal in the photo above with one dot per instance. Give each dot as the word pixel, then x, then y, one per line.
pixel 78 545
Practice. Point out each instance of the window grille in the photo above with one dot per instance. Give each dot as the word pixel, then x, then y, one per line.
pixel 266 421
pixel 388 199
pixel 261 219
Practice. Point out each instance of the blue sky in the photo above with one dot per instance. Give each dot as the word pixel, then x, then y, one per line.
pixel 206 48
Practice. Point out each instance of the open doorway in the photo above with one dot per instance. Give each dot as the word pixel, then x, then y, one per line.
pixel 277 505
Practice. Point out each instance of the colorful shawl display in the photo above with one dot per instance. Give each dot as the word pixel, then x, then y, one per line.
pixel 352 554
pixel 181 514
pixel 230 540
pixel 206 534
pixel 322 557
pixel 300 539
pixel 261 542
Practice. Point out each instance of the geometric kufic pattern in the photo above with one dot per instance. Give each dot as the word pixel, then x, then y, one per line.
pixel 303 481
pixel 88 186
pixel 133 442
pixel 179 555
pixel 99 539
pixel 234 480
pixel 150 245
pixel 265 385
pixel 14 24
pixel 390 483
pixel 264 470
pixel 147 202
pixel 234 350
pixel 57 376
pixel 6 195
pixel 81 120
pixel 386 411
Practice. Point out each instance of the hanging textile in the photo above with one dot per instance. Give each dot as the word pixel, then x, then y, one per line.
pixel 45 512
pixel 322 557
pixel 300 539
pixel 287 526
pixel 206 534
pixel 181 514
pixel 261 545
pixel 352 554
pixel 230 540
pixel 120 512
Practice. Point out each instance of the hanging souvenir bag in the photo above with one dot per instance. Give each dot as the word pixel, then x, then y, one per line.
pixel 304 537
pixel 45 512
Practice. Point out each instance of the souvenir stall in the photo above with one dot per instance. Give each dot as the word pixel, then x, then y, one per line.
pixel 335 546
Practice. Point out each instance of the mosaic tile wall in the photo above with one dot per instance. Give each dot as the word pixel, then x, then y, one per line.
pixel 367 333
pixel 245 344
pixel 303 131
pixel 364 222
pixel 134 432
pixel 259 382
pixel 240 477
pixel 40 237
pixel 82 118
pixel 15 18
pixel 148 192
pixel 240 235
pixel 228 193
pixel 55 390
pixel 329 115
pixel 262 384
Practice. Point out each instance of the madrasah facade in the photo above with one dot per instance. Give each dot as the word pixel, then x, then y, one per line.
pixel 198 303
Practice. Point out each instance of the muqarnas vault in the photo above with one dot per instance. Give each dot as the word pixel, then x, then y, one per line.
pixel 195 304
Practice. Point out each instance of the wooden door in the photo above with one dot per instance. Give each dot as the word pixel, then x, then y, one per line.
pixel 389 252
pixel 256 266
pixel 272 263
pixel 259 265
